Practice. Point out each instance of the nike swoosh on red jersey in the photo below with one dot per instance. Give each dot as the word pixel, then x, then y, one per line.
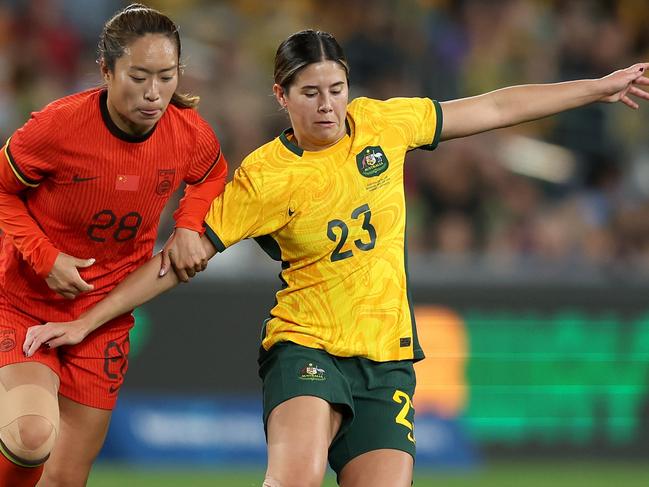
pixel 78 179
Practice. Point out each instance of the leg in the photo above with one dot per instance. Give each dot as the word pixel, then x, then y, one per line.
pixel 378 468
pixel 29 420
pixel 83 430
pixel 379 447
pixel 300 431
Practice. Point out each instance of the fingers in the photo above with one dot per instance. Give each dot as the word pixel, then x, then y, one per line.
pixel 164 266
pixel 73 289
pixel 38 336
pixel 641 80
pixel 191 269
pixel 29 340
pixel 68 294
pixel 76 287
pixel 186 269
pixel 182 273
pixel 65 278
pixel 82 286
pixel 56 342
pixel 83 263
pixel 629 102
pixel 640 93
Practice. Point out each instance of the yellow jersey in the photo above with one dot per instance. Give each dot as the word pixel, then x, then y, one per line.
pixel 336 219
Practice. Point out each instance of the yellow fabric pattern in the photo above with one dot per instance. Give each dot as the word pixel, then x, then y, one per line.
pixel 336 219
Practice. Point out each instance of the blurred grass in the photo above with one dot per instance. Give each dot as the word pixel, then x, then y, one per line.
pixel 502 474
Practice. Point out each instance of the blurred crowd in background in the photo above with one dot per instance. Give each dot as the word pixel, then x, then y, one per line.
pixel 571 191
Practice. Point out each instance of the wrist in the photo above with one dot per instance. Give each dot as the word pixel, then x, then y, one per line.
pixel 186 230
pixel 43 261
pixel 597 88
pixel 86 326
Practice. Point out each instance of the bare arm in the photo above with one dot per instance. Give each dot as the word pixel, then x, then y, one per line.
pixel 140 286
pixel 517 104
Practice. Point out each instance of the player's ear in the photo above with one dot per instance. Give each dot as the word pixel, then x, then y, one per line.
pixel 105 71
pixel 280 95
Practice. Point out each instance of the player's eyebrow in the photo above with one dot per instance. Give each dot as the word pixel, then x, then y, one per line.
pixel 148 71
pixel 315 87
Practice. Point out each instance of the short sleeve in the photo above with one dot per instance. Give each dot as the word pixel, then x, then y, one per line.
pixel 418 119
pixel 244 210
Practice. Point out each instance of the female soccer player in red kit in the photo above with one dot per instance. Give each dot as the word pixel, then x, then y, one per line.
pixel 82 187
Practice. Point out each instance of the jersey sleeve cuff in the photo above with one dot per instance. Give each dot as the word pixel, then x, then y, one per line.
pixel 439 117
pixel 44 262
pixel 190 224
pixel 214 238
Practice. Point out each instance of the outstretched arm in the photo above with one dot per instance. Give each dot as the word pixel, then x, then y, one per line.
pixel 140 286
pixel 517 104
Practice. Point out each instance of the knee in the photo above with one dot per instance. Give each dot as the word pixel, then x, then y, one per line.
pixel 28 439
pixel 36 433
pixel 301 479
pixel 29 421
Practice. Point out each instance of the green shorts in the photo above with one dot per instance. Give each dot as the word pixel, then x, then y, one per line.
pixel 376 397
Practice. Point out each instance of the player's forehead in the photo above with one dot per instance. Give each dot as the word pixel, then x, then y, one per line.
pixel 151 52
pixel 321 73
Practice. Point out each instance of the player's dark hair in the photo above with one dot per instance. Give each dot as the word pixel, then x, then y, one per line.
pixel 128 25
pixel 304 48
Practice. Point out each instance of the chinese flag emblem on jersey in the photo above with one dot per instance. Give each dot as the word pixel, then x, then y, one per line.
pixel 127 182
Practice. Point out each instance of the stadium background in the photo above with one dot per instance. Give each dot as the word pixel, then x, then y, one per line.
pixel 528 247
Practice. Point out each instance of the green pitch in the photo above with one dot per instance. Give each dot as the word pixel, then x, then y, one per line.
pixel 518 474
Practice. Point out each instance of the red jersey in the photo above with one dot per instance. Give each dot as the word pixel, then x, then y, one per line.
pixel 71 181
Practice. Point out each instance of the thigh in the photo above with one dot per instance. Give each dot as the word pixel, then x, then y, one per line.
pixel 28 386
pixel 82 433
pixel 299 433
pixel 13 328
pixel 378 468
pixel 289 370
pixel 29 373
pixel 384 416
pixel 307 402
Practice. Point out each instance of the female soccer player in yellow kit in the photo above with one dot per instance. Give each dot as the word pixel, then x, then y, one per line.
pixel 326 198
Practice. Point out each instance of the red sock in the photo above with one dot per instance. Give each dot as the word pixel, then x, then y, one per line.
pixel 12 475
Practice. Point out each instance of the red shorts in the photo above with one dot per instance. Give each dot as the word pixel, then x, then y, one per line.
pixel 91 372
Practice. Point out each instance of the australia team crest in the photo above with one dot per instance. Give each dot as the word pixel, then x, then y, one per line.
pixel 311 371
pixel 371 161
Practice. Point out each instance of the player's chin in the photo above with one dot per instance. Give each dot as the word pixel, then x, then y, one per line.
pixel 144 124
pixel 326 131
